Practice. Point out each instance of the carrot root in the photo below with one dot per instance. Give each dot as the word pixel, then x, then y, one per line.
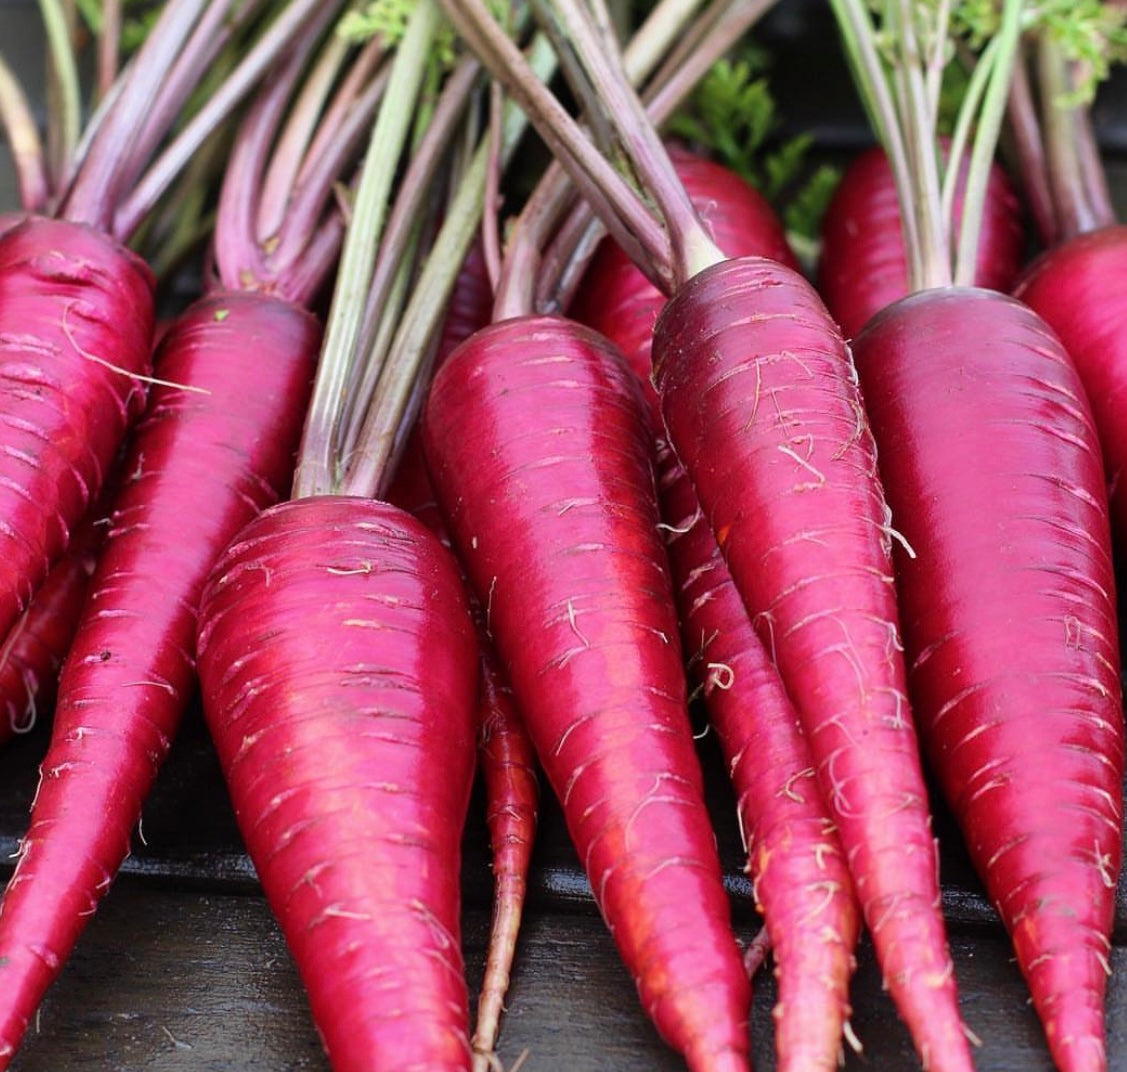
pixel 339 671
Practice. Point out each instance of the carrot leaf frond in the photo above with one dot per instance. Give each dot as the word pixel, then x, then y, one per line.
pixel 387 20
pixel 802 214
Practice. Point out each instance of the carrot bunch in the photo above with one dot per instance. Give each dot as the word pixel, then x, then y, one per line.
pixel 527 541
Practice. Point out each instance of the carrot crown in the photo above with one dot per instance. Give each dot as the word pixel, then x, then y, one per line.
pixel 898 63
pixel 279 227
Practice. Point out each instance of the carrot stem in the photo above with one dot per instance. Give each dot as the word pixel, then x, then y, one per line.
pixel 66 97
pixel 109 45
pixel 632 225
pixel 94 190
pixel 239 256
pixel 699 46
pixel 394 266
pixel 1082 201
pixel 691 248
pixel 301 122
pixel 395 404
pixel 323 161
pixel 986 139
pixel 319 468
pixel 857 36
pixel 259 59
pixel 1029 149
pixel 23 139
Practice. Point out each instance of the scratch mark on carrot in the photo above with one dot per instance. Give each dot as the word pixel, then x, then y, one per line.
pixel 344 913
pixel 758 393
pixel 766 619
pixel 1103 866
pixel 489 605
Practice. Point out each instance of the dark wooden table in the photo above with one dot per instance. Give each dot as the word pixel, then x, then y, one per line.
pixel 183 967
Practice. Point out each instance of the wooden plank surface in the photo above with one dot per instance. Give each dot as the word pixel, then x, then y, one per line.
pixel 184 953
pixel 187 982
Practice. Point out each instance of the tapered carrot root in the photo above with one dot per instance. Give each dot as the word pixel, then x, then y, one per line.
pixel 76 323
pixel 863 265
pixel 759 394
pixel 536 439
pixel 992 467
pixel 339 673
pixel 512 794
pixel 208 456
